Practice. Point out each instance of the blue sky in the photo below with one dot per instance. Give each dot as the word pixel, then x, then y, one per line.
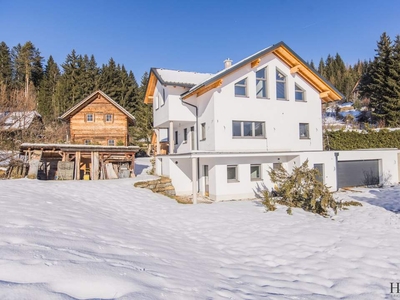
pixel 197 35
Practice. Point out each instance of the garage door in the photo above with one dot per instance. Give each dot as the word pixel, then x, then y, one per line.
pixel 358 172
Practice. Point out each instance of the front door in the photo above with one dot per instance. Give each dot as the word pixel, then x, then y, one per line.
pixel 206 185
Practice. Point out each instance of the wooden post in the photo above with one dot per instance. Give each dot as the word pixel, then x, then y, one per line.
pixel 77 165
pixel 133 165
pixel 95 164
pixel 91 164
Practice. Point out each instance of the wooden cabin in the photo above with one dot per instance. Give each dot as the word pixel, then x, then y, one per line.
pixel 98 120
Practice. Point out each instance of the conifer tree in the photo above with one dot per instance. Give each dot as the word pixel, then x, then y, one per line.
pixel 47 102
pixel 5 73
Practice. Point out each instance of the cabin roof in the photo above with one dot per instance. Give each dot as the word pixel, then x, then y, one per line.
pixel 77 107
pixel 17 120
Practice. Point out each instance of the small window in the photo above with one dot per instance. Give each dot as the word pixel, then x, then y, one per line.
pixel 299 93
pixel 304 130
pixel 203 131
pixel 185 131
pixel 111 143
pixel 241 88
pixel 236 128
pixel 255 172
pixel 276 166
pixel 320 175
pixel 261 83
pixel 232 173
pixel 163 97
pixel 87 142
pixel 280 85
pixel 109 117
pixel 176 138
pixel 89 118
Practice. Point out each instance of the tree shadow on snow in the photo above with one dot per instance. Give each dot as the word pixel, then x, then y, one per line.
pixel 387 198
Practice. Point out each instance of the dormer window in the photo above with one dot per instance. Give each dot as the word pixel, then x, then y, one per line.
pixel 299 93
pixel 261 83
pixel 241 88
pixel 280 85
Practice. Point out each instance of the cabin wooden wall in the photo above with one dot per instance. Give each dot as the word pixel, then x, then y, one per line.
pixel 99 131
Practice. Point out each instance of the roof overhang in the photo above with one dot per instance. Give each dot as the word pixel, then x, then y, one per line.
pixel 327 92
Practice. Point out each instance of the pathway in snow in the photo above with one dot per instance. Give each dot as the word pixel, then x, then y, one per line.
pixel 107 239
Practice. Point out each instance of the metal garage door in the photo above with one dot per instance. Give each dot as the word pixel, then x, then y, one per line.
pixel 358 172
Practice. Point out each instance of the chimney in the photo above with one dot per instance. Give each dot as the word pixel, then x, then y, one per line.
pixel 228 63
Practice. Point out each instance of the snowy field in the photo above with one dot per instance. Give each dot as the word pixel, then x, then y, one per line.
pixel 107 240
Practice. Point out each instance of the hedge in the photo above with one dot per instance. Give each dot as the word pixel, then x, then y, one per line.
pixel 350 140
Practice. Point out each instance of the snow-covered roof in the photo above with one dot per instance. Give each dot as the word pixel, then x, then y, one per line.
pixel 17 120
pixel 180 78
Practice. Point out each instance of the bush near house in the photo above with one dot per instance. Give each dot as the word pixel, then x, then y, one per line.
pixel 350 140
pixel 300 189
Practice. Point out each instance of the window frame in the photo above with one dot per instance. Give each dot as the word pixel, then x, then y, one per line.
pixel 203 131
pixel 176 137
pixel 185 135
pixel 284 81
pixel 111 144
pixel 253 130
pixel 265 81
pixel 240 85
pixel 236 179
pixel 298 88
pixel 259 172
pixel 111 118
pixel 92 117
pixel 307 126
pixel 87 142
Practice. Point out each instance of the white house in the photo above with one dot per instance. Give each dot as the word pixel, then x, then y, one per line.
pixel 226 130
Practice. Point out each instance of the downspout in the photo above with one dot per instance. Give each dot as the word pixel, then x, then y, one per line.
pixel 337 175
pixel 197 140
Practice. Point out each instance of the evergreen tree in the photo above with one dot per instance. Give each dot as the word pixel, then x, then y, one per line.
pixel 47 102
pixel 391 94
pixel 321 67
pixel 5 73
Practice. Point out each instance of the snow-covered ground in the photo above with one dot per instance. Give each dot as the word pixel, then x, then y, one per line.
pixel 107 239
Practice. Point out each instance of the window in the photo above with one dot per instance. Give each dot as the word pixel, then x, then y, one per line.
pixel 255 172
pixel 248 129
pixel 185 135
pixel 320 176
pixel 111 143
pixel 261 83
pixel 304 130
pixel 276 166
pixel 203 131
pixel 109 117
pixel 89 118
pixel 241 88
pixel 176 138
pixel 157 102
pixel 280 85
pixel 87 142
pixel 299 93
pixel 163 97
pixel 232 173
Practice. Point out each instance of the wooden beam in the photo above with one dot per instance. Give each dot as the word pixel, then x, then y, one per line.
pixel 295 69
pixel 324 94
pixel 95 164
pixel 209 87
pixel 78 165
pixel 255 62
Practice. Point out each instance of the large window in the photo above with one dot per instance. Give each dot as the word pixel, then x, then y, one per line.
pixel 232 174
pixel 241 88
pixel 248 129
pixel 255 172
pixel 299 93
pixel 304 130
pixel 203 131
pixel 261 83
pixel 280 85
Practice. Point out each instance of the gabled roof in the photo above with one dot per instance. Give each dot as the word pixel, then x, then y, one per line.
pixel 174 78
pixel 17 120
pixel 296 64
pixel 76 108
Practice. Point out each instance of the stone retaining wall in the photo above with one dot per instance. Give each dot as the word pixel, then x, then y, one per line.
pixel 162 185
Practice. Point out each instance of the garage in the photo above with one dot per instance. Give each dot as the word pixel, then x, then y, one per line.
pixel 358 172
